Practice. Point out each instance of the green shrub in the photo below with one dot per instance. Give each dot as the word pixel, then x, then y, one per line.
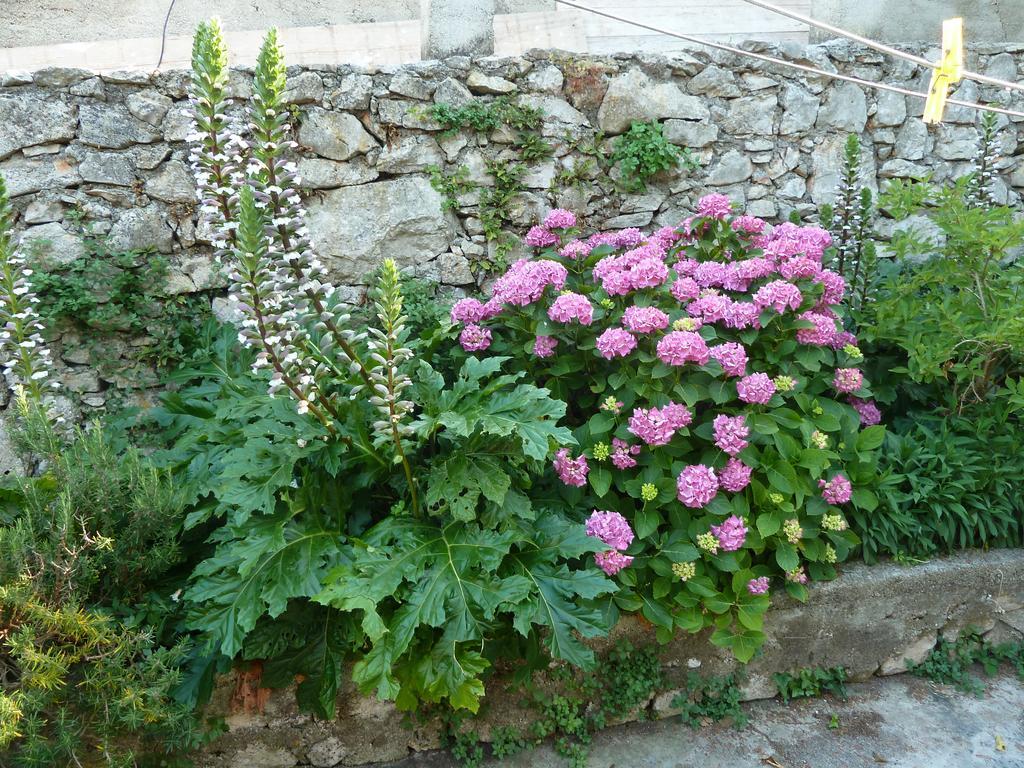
pixel 84 679
pixel 948 482
pixel 643 152
pixel 953 323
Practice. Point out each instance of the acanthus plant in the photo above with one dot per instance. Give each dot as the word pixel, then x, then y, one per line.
pixel 725 425
pixel 852 253
pixel 27 365
pixel 362 503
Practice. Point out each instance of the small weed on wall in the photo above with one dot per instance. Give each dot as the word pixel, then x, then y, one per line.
pixel 114 302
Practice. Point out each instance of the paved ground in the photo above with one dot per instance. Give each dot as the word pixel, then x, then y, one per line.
pixel 895 722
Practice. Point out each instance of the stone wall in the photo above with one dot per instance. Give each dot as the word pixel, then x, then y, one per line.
pixel 113 147
pixel 870 621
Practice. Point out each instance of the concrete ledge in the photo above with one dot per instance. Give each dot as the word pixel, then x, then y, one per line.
pixel 868 621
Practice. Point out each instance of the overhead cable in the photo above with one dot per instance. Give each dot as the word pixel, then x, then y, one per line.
pixel 967 75
pixel 784 63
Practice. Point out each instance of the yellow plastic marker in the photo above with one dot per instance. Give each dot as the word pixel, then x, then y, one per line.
pixel 949 71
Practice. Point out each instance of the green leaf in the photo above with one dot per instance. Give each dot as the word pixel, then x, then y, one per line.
pixel 462 479
pixel 782 476
pixel 768 523
pixel 871 438
pixel 562 599
pixel 647 521
pixel 786 556
pixel 600 480
pixel 256 569
pixel 438 577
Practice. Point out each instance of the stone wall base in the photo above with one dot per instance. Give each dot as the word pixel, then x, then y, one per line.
pixel 870 621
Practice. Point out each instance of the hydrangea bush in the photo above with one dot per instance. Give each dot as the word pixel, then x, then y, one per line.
pixel 724 424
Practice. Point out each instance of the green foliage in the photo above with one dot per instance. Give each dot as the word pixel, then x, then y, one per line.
pixel 810 683
pixel 431 591
pixel 532 147
pixel 83 688
pixel 949 482
pixel 451 185
pixel 99 525
pixel 507 741
pixel 643 152
pixel 710 699
pixel 486 116
pixel 624 687
pixel 952 323
pixel 106 293
pixel 579 174
pixel 951 662
pixel 619 687
pixel 84 549
pixel 496 212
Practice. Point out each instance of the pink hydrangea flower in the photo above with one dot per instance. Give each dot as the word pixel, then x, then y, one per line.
pixel 559 218
pixel 711 274
pixel 730 534
pixel 575 249
pixel 755 388
pixel 731 433
pixel 628 238
pixel 681 347
pixel 685 267
pixel 779 295
pixel 750 225
pixel 474 338
pixel 714 206
pixel 571 471
pixel 648 273
pixel 696 485
pixel 848 380
pixel 611 562
pixel 710 307
pixel 644 319
pixel 758 586
pixel 656 426
pixel 822 334
pixel 611 528
pixel 571 306
pixel 734 476
pixel 842 339
pixel 615 342
pixel 838 490
pixel 539 237
pixel 742 314
pixel 544 346
pixel 754 269
pixel 867 410
pixel 834 284
pixel 468 311
pixel 623 453
pixel 678 415
pixel 685 289
pixel 525 281
pixel 732 356
pixel 799 268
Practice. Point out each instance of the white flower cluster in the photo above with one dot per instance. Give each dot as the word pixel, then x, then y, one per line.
pixel 27 365
pixel 248 192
